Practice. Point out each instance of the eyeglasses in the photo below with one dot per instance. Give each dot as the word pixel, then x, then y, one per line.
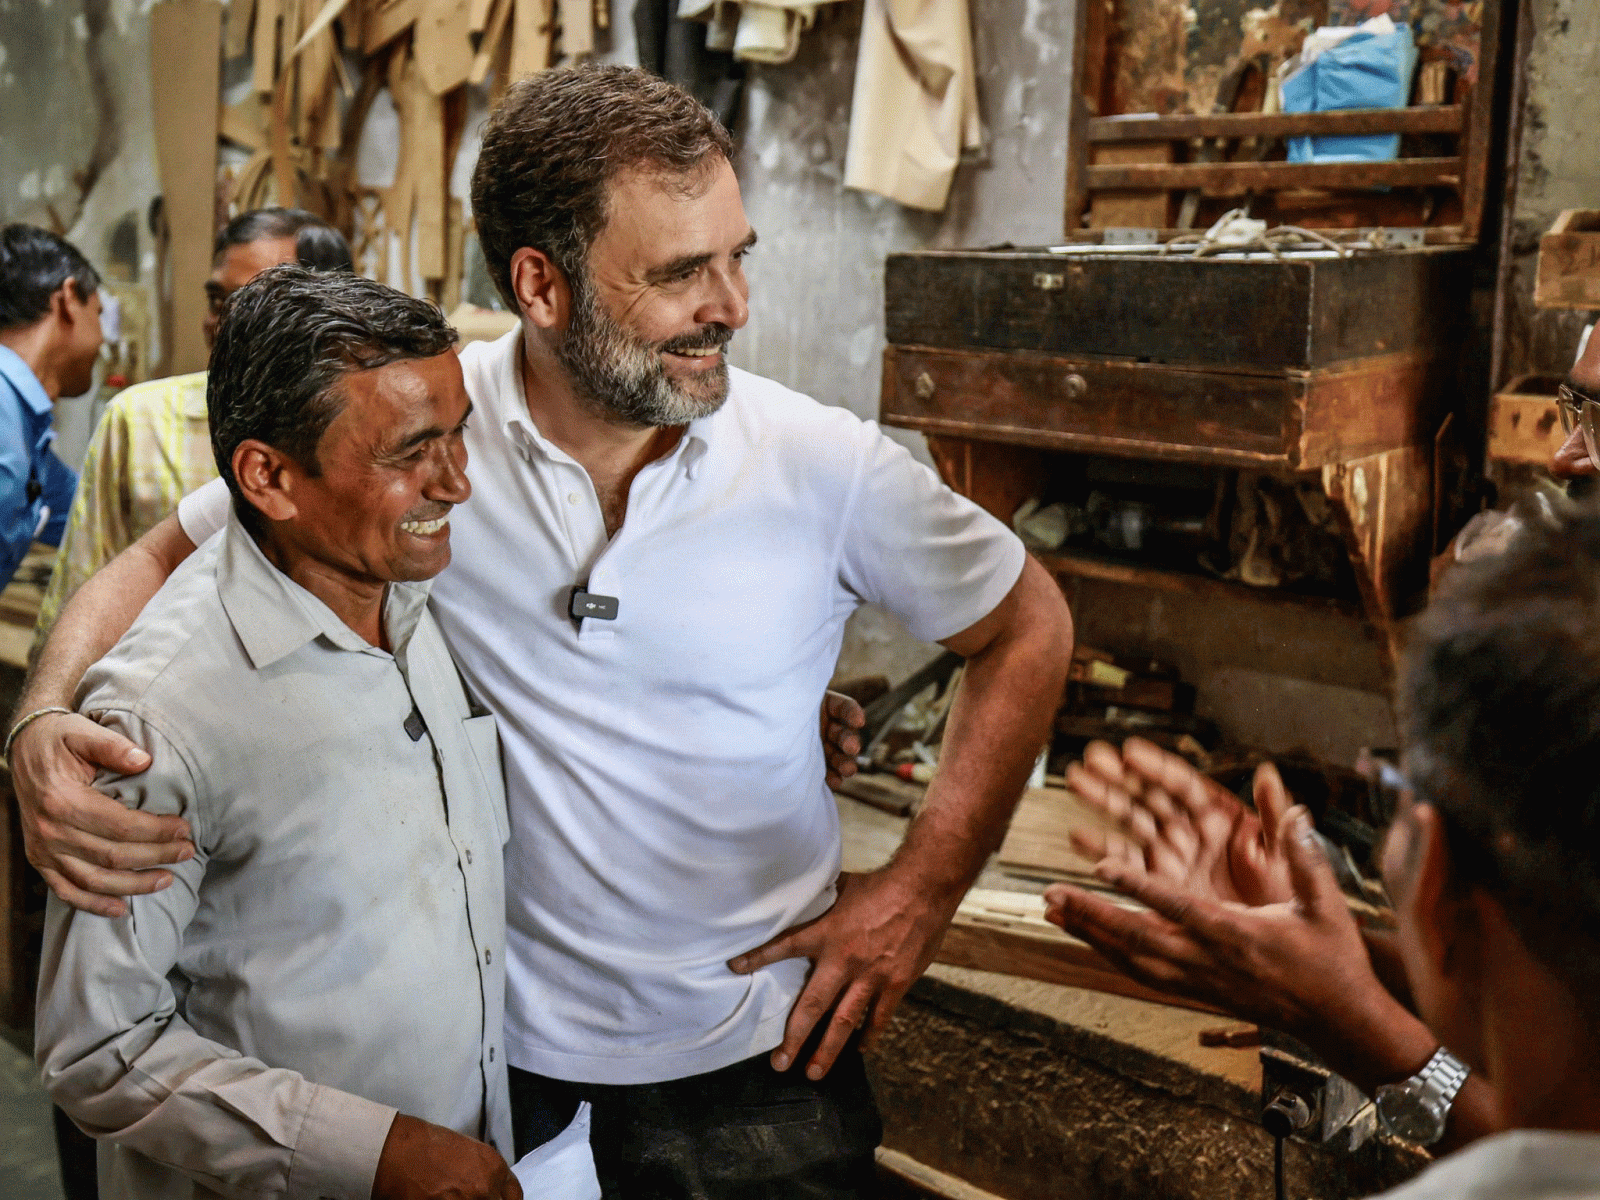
pixel 1581 410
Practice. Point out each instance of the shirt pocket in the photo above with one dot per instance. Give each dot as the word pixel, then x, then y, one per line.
pixel 483 736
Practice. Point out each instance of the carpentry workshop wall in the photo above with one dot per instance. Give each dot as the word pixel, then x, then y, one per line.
pixel 1558 168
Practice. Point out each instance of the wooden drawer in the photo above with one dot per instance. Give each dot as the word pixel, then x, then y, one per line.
pixel 1287 420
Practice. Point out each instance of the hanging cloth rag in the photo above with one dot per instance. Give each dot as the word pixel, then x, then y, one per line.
pixel 915 107
pixel 758 31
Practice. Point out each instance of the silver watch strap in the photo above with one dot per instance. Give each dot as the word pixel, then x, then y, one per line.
pixel 1444 1075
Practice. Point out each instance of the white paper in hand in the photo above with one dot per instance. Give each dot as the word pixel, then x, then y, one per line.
pixel 562 1168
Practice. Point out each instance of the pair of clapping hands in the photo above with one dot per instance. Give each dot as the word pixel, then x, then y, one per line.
pixel 1244 910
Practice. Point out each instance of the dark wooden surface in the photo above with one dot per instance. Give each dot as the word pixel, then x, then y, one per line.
pixel 1237 178
pixel 1089 566
pixel 1287 421
pixel 1139 127
pixel 1256 314
pixel 1477 141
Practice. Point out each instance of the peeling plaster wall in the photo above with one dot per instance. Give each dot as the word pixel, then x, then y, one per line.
pixel 1559 167
pixel 79 152
pixel 816 279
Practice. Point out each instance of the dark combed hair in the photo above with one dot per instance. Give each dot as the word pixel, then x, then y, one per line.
pixel 1500 710
pixel 33 263
pixel 558 140
pixel 317 244
pixel 285 342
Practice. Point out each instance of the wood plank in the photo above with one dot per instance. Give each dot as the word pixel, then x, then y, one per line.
pixel 389 22
pixel 1088 566
pixel 1137 127
pixel 531 29
pixel 264 46
pixel 1121 408
pixel 186 55
pixel 1478 139
pixel 236 41
pixel 1089 70
pixel 577 28
pixel 925 1180
pixel 1384 506
pixel 1569 262
pixel 1524 427
pixel 1374 404
pixel 1233 178
pixel 443 44
pixel 1037 841
pixel 1006 932
pixel 886 792
pixel 1135 209
pixel 495 31
pixel 996 477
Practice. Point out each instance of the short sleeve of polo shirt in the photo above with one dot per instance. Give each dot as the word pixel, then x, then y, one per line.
pixel 912 545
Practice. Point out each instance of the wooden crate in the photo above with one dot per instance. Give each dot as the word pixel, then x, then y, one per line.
pixel 1569 262
pixel 1174 116
pixel 1524 421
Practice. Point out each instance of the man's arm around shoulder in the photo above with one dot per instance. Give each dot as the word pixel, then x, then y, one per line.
pixel 90 849
pixel 119 1058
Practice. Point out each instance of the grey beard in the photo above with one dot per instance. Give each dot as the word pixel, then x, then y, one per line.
pixel 619 377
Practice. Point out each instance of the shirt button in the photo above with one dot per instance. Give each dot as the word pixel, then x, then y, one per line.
pixel 572 497
pixel 491 1053
pixel 468 853
pixel 488 956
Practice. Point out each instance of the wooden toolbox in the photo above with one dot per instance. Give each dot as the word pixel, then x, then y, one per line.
pixel 1331 355
pixel 1287 365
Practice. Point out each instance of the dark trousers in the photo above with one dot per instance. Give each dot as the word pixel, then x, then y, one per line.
pixel 745 1132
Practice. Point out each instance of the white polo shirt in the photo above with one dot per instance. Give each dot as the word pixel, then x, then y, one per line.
pixel 663 770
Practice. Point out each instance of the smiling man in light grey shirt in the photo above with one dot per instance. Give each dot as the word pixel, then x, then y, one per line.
pixel 314 1007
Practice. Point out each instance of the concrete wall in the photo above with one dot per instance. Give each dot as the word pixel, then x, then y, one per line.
pixel 79 154
pixel 1558 167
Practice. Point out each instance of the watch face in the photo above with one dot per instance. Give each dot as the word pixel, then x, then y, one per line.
pixel 1408 1112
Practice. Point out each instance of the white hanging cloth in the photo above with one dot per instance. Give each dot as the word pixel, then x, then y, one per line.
pixel 916 101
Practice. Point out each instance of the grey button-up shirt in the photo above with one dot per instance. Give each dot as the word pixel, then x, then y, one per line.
pixel 334 951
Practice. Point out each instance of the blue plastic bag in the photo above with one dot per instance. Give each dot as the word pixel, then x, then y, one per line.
pixel 1365 70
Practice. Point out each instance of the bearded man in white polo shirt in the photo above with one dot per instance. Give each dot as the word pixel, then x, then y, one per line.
pixel 650 589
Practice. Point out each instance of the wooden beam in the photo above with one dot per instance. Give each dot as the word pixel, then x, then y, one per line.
pixel 1006 932
pixel 1479 126
pixel 186 54
pixel 1087 566
pixel 1231 178
pixel 926 1181
pixel 1142 127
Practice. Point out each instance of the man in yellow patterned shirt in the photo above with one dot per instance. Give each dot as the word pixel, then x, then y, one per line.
pixel 153 444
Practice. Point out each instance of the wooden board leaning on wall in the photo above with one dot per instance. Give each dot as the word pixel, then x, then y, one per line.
pixel 303 121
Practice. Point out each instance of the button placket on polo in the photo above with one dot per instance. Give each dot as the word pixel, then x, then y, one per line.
pixel 650 491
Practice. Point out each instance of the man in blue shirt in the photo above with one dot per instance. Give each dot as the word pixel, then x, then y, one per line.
pixel 49 336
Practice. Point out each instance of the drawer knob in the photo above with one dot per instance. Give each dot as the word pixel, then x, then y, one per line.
pixel 923 386
pixel 1077 386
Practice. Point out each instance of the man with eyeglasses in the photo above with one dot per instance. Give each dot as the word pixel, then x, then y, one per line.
pixel 1579 398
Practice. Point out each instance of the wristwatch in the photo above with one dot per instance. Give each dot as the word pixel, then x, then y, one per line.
pixel 1416 1109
